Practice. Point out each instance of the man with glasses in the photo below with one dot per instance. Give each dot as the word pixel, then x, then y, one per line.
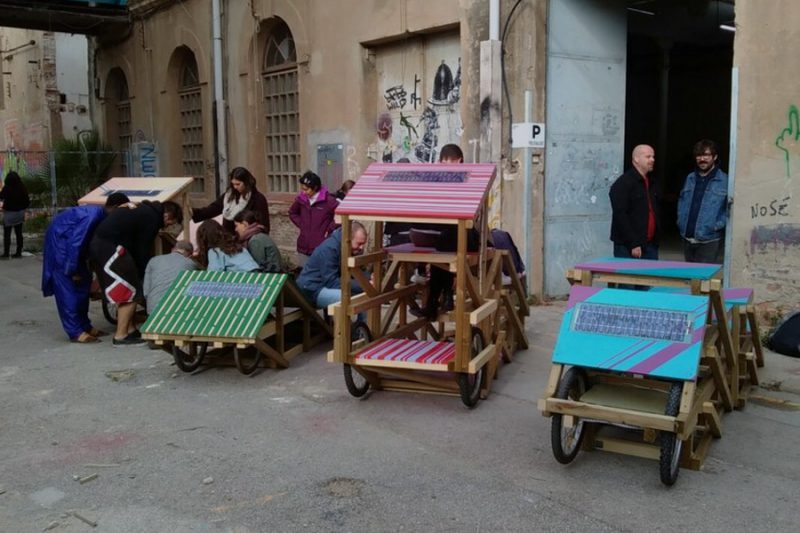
pixel 703 207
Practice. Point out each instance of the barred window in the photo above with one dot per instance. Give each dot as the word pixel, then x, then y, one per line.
pixel 191 121
pixel 118 120
pixel 124 124
pixel 281 110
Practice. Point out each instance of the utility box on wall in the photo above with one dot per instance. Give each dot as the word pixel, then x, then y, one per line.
pixel 330 165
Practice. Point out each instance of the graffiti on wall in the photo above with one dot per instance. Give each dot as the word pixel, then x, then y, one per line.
pixel 788 141
pixel 418 118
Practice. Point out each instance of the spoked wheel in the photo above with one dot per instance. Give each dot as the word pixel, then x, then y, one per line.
pixel 188 362
pixel 247 359
pixel 671 445
pixel 109 311
pixel 357 385
pixel 567 431
pixel 469 385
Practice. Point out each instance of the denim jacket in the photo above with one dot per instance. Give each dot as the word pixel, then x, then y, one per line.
pixel 713 213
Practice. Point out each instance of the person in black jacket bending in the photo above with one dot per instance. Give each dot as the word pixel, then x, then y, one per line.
pixel 634 205
pixel 120 249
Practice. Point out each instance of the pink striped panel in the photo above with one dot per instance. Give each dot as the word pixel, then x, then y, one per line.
pixel 411 351
pixel 373 196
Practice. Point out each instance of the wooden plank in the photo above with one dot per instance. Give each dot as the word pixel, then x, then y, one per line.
pixel 755 334
pixel 270 352
pixel 553 380
pixel 626 447
pixel 379 363
pixel 712 419
pixel 472 288
pixel 514 320
pixel 481 313
pixel 649 281
pixel 610 415
pixel 364 282
pixel 383 218
pixel 410 386
pixel 687 420
pixel 699 453
pixel 720 379
pixel 463 333
pixel 359 261
pixel 434 381
pixel 379 299
pixel 390 278
pixel 480 360
pixel 516 283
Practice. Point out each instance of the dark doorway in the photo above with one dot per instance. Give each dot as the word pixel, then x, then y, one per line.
pixel 678 89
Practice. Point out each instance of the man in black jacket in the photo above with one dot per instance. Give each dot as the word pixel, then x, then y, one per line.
pixel 634 204
pixel 120 249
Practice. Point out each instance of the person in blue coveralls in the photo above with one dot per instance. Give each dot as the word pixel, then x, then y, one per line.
pixel 65 273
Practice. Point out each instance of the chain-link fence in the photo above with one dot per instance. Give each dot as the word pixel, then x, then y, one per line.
pixel 57 179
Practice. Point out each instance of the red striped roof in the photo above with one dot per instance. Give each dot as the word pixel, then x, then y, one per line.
pixel 374 196
pixel 411 351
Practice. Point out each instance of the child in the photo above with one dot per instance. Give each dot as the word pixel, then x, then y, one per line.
pixel 220 251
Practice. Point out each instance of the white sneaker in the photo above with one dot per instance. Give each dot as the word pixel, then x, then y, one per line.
pixel 506 280
pixel 416 278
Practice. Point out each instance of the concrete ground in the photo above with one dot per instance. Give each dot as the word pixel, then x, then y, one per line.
pixel 291 450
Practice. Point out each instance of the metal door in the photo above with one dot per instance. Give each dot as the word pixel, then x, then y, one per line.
pixel 586 56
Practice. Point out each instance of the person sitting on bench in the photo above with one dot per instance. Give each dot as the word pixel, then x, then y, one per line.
pixel 321 277
pixel 260 245
pixel 220 251
pixel 162 270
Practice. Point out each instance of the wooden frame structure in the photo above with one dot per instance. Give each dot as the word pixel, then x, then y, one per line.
pixel 153 189
pixel 458 352
pixel 247 313
pixel 677 430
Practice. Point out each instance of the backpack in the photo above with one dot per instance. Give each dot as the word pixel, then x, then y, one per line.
pixel 786 337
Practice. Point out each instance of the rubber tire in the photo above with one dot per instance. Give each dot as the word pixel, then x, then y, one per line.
pixel 469 385
pixel 573 377
pixel 352 377
pixel 241 362
pixel 197 350
pixel 671 446
pixel 107 308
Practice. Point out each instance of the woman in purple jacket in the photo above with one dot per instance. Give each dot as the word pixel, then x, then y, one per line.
pixel 242 195
pixel 312 212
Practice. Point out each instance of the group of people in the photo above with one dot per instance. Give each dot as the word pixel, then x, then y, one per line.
pixel 702 207
pixel 117 239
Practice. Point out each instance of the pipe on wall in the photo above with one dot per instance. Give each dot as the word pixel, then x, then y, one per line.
pixel 221 126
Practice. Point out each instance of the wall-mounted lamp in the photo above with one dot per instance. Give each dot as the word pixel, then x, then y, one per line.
pixel 728 26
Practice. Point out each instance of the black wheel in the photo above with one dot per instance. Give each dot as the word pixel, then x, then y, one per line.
pixel 188 362
pixel 357 385
pixel 566 441
pixel 469 385
pixel 247 359
pixel 671 445
pixel 109 311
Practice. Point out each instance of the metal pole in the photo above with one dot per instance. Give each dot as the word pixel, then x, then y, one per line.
pixel 53 190
pixel 726 269
pixel 527 153
pixel 219 101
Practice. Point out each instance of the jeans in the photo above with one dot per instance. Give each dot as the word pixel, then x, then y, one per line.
pixel 706 252
pixel 327 297
pixel 649 251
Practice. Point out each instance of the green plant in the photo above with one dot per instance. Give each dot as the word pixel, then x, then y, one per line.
pixel 37 223
pixel 81 165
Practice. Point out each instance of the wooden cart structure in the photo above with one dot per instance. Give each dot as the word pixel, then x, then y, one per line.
pixel 250 314
pixel 138 189
pixel 663 362
pixel 457 353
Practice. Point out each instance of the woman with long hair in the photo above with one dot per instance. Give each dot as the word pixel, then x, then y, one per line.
pixel 219 250
pixel 15 200
pixel 241 195
pixel 312 212
pixel 258 243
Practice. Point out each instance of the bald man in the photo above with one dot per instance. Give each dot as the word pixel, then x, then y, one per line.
pixel 634 205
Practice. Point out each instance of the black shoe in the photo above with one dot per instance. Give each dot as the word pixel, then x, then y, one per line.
pixel 130 340
pixel 425 312
pixel 136 334
pixel 17 256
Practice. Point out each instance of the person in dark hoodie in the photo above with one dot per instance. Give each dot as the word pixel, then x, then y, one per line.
pixel 65 269
pixel 312 212
pixel 242 195
pixel 15 199
pixel 120 249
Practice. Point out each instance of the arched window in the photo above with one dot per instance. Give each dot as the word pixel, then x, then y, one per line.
pixel 118 117
pixel 281 109
pixel 191 120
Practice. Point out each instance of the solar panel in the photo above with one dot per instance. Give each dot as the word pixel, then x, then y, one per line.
pixel 248 291
pixel 428 176
pixel 134 192
pixel 624 321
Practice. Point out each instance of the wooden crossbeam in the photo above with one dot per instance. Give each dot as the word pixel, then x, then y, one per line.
pixel 515 322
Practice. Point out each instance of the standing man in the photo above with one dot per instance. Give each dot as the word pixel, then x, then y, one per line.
pixel 634 205
pixel 703 207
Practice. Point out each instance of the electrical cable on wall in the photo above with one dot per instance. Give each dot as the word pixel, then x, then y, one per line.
pixel 503 67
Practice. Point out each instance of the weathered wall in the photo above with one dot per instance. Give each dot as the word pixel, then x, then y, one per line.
pixel 25 115
pixel 766 211
pixel 73 82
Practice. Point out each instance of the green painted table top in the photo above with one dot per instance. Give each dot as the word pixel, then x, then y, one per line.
pixel 232 305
